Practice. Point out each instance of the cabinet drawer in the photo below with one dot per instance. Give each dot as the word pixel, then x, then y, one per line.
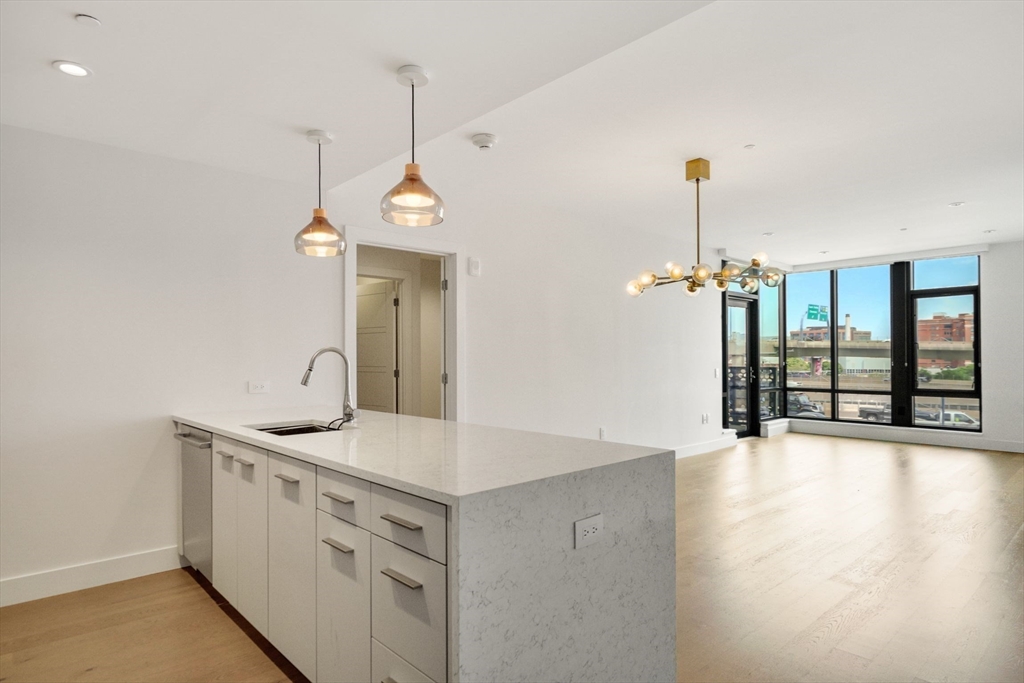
pixel 410 521
pixel 342 601
pixel 409 597
pixel 343 496
pixel 389 667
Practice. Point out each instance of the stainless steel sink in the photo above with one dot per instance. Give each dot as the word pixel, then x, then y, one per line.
pixel 293 430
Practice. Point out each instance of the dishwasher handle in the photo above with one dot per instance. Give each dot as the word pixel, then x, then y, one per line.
pixel 193 441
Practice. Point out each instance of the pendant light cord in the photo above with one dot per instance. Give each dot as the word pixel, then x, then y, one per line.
pixel 413 88
pixel 319 178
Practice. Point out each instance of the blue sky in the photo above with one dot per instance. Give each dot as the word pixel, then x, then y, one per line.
pixel 864 294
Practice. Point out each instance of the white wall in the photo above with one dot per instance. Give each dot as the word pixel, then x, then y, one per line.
pixel 554 343
pixel 1002 346
pixel 132 287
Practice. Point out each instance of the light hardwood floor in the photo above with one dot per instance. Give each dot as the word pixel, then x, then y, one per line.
pixel 810 558
pixel 801 558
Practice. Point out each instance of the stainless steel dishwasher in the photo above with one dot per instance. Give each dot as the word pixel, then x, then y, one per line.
pixel 196 498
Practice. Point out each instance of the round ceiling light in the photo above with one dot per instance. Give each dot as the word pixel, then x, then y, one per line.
pixel 767 234
pixel 72 68
pixel 955 204
pixel 749 146
pixel 988 232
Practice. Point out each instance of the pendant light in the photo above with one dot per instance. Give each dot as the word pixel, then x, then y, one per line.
pixel 748 277
pixel 320 238
pixel 412 202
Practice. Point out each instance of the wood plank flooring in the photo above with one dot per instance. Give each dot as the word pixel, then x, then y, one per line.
pixel 163 627
pixel 810 558
pixel 800 558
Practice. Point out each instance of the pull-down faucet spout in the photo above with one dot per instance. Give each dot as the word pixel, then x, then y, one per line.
pixel 349 409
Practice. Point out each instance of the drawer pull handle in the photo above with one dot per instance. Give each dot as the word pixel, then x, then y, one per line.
pixel 401 578
pixel 285 477
pixel 411 526
pixel 193 441
pixel 338 498
pixel 224 454
pixel 338 545
pixel 243 461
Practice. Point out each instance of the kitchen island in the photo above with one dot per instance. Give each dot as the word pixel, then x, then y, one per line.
pixel 470 569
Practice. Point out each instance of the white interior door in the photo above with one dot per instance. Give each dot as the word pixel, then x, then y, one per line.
pixel 377 347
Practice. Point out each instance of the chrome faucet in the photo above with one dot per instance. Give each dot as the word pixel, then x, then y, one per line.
pixel 350 410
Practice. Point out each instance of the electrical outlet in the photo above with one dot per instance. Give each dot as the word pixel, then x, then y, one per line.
pixel 259 387
pixel 600 433
pixel 705 418
pixel 589 530
pixel 474 267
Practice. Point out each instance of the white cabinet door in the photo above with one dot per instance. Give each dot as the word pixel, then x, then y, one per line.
pixel 342 601
pixel 225 520
pixel 292 560
pixel 251 479
pixel 410 608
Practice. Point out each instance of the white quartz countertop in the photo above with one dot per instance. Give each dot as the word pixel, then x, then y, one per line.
pixel 435 459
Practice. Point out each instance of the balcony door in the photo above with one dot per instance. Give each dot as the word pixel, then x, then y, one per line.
pixel 741 366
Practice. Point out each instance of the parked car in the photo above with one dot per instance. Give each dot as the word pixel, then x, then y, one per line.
pixel 951 418
pixel 799 405
pixel 884 414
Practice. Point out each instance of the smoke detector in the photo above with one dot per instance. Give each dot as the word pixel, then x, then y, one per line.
pixel 485 141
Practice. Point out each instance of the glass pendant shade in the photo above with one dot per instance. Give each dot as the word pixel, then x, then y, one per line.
pixel 691 289
pixel 702 272
pixel 771 277
pixel 320 238
pixel 721 285
pixel 634 288
pixel 412 202
pixel 750 285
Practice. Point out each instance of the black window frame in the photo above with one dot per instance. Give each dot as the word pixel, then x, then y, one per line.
pixel 903 357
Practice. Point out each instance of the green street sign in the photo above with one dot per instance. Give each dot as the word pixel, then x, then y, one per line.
pixel 816 312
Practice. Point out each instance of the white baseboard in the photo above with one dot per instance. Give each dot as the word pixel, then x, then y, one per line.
pixel 727 440
pixel 774 427
pixel 928 437
pixel 17 589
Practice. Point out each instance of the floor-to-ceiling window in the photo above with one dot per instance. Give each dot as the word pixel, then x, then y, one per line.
pixel 809 344
pixel 864 344
pixel 891 344
pixel 946 381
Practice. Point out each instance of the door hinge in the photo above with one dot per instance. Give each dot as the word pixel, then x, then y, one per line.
pixel 444 378
pixel 396 373
pixel 396 301
pixel 444 285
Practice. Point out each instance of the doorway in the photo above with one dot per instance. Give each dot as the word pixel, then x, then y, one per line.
pixel 740 394
pixel 400 332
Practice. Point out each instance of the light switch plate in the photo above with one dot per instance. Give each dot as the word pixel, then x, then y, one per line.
pixel 474 267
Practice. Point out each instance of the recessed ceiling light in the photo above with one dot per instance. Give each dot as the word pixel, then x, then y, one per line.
pixel 749 146
pixel 767 234
pixel 87 20
pixel 957 203
pixel 903 229
pixel 988 232
pixel 71 68
pixel 823 252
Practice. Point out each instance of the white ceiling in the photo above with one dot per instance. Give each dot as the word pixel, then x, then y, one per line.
pixel 237 84
pixel 867 117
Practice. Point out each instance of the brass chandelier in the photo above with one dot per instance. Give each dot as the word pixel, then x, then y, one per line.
pixel 749 278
